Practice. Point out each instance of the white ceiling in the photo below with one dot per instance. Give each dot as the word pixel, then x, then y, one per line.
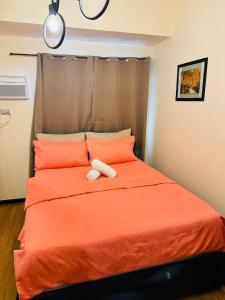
pixel 35 31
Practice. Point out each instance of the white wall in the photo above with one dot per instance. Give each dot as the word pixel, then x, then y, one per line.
pixel 188 139
pixel 143 16
pixel 15 137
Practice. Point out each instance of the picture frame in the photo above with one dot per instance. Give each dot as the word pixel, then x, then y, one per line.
pixel 191 80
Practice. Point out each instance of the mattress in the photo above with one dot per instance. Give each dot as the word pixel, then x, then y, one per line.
pixel 77 231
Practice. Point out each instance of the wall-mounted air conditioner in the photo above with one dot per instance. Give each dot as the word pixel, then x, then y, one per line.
pixel 13 88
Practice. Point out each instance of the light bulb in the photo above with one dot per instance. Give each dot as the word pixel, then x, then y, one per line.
pixel 53 24
pixel 93 9
pixel 54 30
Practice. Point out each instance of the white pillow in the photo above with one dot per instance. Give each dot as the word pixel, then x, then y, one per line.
pixel 73 137
pixel 108 135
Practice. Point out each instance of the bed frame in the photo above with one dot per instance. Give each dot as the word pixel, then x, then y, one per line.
pixel 191 276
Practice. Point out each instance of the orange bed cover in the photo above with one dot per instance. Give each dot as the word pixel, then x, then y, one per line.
pixel 78 231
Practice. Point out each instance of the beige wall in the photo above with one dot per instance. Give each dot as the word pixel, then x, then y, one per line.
pixel 15 137
pixel 188 139
pixel 143 16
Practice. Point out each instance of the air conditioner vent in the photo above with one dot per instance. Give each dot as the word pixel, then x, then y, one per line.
pixel 13 88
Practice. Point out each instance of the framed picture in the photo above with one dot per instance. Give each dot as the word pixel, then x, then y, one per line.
pixel 191 80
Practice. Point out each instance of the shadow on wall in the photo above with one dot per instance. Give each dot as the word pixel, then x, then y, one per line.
pixel 151 118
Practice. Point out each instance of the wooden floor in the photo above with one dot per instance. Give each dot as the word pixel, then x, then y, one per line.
pixel 11 222
pixel 218 295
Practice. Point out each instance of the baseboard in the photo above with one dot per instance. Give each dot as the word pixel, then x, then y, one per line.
pixel 12 201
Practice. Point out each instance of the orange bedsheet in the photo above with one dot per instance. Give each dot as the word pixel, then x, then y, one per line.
pixel 78 231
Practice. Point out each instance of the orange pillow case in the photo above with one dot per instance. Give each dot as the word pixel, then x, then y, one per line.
pixel 112 151
pixel 52 155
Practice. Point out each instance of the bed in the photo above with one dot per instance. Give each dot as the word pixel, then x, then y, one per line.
pixel 82 236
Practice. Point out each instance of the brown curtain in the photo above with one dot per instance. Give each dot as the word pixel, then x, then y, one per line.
pixel 120 96
pixel 63 94
pixel 76 94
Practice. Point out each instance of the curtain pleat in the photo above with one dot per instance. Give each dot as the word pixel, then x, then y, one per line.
pixel 37 122
pixel 39 99
pixel 120 97
pixel 63 94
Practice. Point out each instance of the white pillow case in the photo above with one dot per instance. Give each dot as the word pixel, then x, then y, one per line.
pixel 72 137
pixel 108 135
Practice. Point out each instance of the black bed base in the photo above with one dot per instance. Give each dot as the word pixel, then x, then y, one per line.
pixel 171 281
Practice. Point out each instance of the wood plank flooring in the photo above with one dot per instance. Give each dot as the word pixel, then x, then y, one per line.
pixel 217 295
pixel 11 222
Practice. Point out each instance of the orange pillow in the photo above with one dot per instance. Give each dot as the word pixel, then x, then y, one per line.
pixel 112 151
pixel 52 155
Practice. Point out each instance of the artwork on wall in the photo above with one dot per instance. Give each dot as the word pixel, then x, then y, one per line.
pixel 191 80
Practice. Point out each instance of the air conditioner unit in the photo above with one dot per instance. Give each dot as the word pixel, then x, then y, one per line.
pixel 13 88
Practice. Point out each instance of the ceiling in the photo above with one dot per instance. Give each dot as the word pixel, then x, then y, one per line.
pixel 35 31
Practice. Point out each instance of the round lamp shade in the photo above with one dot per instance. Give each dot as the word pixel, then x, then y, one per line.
pixel 54 30
pixel 93 9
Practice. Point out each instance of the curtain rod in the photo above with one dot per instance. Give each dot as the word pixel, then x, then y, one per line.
pixel 35 55
pixel 84 57
pixel 21 54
